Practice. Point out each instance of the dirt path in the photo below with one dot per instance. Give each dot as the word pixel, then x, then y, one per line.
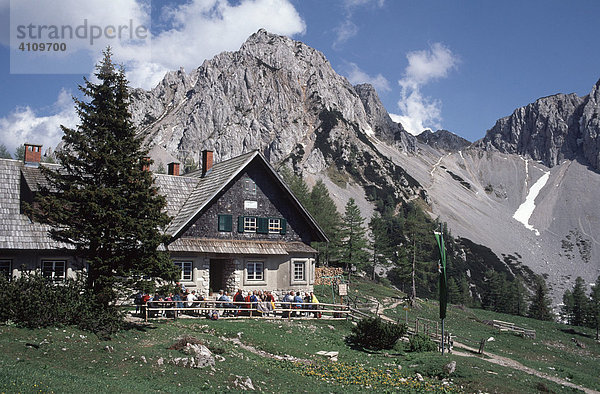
pixel 499 360
pixel 510 363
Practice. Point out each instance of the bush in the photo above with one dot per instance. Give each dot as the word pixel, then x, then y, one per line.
pixel 374 333
pixel 421 343
pixel 33 301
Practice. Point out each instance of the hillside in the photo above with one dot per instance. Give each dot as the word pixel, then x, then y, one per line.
pixel 282 97
pixel 280 355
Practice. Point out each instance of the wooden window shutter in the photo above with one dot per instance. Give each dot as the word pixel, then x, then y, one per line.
pixel 225 223
pixel 283 226
pixel 262 225
pixel 240 224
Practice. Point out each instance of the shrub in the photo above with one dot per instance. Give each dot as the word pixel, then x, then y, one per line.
pixel 32 301
pixel 374 333
pixel 421 343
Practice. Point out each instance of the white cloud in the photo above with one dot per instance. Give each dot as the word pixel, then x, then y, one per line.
pixel 201 29
pixel 191 32
pixel 25 125
pixel 195 31
pixel 357 76
pixel 347 28
pixel 418 112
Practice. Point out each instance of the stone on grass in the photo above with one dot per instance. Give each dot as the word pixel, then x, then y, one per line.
pixel 450 367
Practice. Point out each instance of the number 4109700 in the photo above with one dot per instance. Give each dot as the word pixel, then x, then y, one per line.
pixel 43 47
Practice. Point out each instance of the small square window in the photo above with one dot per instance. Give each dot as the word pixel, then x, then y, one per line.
pixel 5 268
pixel 250 224
pixel 299 271
pixel 186 270
pixel 54 269
pixel 255 270
pixel 274 226
pixel 225 223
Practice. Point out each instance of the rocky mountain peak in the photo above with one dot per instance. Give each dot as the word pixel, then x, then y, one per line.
pixel 552 129
pixel 282 97
pixel 443 140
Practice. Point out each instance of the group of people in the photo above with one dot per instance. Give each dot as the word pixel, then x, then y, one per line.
pixel 248 303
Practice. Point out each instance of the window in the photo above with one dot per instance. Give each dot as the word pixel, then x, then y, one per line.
pixel 186 269
pixel 253 224
pixel 54 269
pixel 274 226
pixel 249 187
pixel 250 224
pixel 255 270
pixel 5 269
pixel 225 223
pixel 299 271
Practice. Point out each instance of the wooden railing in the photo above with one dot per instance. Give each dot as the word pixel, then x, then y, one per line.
pixel 511 327
pixel 234 309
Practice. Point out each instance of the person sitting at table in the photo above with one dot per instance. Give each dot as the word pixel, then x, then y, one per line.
pixel 298 303
pixel 238 298
pixel 226 303
pixel 287 303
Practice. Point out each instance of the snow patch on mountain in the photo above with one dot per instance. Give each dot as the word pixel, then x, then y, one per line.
pixel 525 210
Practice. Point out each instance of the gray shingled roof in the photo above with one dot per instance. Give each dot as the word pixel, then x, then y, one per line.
pixel 237 246
pixel 16 230
pixel 208 186
pixel 186 196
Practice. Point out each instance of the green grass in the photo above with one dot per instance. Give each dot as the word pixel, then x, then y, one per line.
pixel 68 360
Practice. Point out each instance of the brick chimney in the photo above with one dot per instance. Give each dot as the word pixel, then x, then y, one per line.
pixel 173 168
pixel 33 155
pixel 146 163
pixel 207 161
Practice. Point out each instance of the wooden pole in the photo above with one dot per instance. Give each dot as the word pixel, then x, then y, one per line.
pixel 443 336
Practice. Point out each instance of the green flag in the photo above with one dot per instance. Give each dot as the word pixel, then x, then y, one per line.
pixel 443 286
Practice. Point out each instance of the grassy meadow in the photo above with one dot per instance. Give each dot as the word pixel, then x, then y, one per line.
pixel 136 360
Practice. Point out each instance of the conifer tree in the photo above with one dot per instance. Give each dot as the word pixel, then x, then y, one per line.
pixel 297 185
pixel 102 201
pixel 4 153
pixel 323 209
pixel 20 152
pixel 354 242
pixel 575 304
pixel 540 303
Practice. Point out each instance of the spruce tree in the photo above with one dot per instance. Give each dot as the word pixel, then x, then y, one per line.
pixel 324 211
pixel 575 304
pixel 102 201
pixel 20 153
pixel 297 185
pixel 4 153
pixel 353 242
pixel 540 303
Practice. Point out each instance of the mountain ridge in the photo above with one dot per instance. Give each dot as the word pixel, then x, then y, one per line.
pixel 284 98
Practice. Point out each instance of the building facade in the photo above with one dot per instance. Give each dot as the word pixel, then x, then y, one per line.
pixel 235 225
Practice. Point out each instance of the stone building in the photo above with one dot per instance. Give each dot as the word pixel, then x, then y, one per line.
pixel 235 225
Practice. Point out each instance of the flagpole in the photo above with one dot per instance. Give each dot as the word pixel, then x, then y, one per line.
pixel 443 289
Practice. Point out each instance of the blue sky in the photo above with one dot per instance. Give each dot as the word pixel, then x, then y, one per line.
pixel 457 65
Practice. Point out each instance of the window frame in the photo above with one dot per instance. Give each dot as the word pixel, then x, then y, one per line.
pixel 255 264
pixel 250 228
pixel 299 262
pixel 53 277
pixel 272 228
pixel 182 264
pixel 8 263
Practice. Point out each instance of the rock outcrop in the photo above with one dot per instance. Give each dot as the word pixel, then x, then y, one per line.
pixel 443 140
pixel 552 129
pixel 284 98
